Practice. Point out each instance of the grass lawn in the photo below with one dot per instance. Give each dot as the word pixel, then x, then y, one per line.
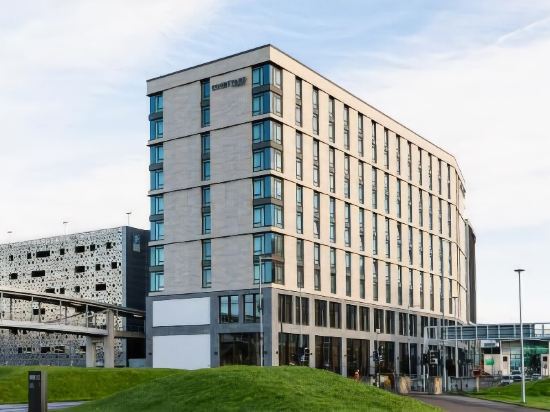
pixel 248 388
pixel 71 384
pixel 537 393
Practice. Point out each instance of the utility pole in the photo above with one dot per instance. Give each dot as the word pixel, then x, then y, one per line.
pixel 518 271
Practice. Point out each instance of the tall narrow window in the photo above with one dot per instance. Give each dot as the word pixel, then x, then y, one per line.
pixel 398 198
pixel 374 188
pixel 441 256
pixel 332 270
pixel 299 153
pixel 361 179
pixel 386 193
pixel 316 162
pixel 332 169
pixel 205 103
pixel 388 283
pixel 348 273
pixel 205 156
pixel 299 263
pixel 374 234
pixel 430 212
pixel 440 216
pixel 398 153
pixel 374 155
pixel 387 237
pixel 439 176
pixel 360 140
pixel 315 103
pixel 419 166
pixel 206 265
pixel 410 202
pixel 399 243
pixel 386 149
pixel 375 280
pixel 206 220
pixel 432 305
pixel 316 215
pixel 411 245
pixel 298 111
pixel 362 277
pixel 399 285
pixel 346 127
pixel 431 252
pixel 448 181
pixel 316 266
pixel 347 224
pixel 332 220
pixel 420 208
pixel 299 209
pixel 331 128
pixel 346 177
pixel 430 171
pixel 361 229
pixel 411 288
pixel 449 225
pixel 421 247
pixel 409 160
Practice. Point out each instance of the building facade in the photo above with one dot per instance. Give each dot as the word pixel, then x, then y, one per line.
pixel 108 265
pixel 261 168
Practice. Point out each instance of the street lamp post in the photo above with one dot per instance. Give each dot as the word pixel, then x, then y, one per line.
pixel 521 338
pixel 260 259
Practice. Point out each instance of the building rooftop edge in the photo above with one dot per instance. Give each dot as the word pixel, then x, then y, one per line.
pixel 325 78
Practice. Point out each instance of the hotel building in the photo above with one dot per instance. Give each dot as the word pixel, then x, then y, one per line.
pixel 263 169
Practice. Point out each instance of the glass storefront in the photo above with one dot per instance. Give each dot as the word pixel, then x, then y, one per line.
pixel 239 349
pixel 358 356
pixel 328 353
pixel 291 350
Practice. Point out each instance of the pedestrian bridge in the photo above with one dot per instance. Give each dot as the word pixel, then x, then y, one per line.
pixel 92 319
pixel 500 332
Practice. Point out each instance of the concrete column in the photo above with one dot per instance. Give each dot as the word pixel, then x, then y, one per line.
pixel 344 356
pixel 90 352
pixel 109 341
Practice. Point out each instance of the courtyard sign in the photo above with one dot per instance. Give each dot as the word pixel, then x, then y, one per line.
pixel 241 81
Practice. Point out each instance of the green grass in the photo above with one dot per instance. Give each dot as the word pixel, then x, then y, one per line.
pixel 71 384
pixel 537 393
pixel 242 388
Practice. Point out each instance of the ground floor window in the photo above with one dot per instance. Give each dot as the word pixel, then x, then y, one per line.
pixel 357 354
pixel 239 349
pixel 292 349
pixel 328 352
pixel 386 351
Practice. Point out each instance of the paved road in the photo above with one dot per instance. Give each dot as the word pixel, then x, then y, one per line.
pixel 456 403
pixel 23 407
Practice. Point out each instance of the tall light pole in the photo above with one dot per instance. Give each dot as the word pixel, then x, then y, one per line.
pixel 518 271
pixel 260 259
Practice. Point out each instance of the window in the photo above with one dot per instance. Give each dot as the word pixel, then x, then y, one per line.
pixel 386 149
pixel 332 270
pixel 374 234
pixel 267 187
pixel 269 244
pixel 361 173
pixel 156 129
pixel 331 169
pixel 375 280
pixel 398 198
pixel 205 198
pixel 300 263
pixel 205 89
pixel 399 285
pixel 156 282
pixel 346 177
pixel 430 171
pixel 441 258
pixel 399 243
pixel 432 292
pixel 335 315
pixel 299 210
pixel 411 288
pixel 299 164
pixel 441 295
pixel 205 145
pixel 268 215
pixel 440 216
pixel 266 74
pixel 316 162
pixel 157 154
pixel 431 252
pixel 205 116
pixel 430 212
pixel 316 266
pixel 267 158
pixel 346 127
pixel 374 188
pixel 157 179
pixel 157 255
pixel 285 308
pixel 419 166
pixel 448 181
pixel 348 273
pixel 364 321
pixel 361 229
pixel 156 103
pixel 390 321
pixel 266 102
pixel 266 131
pixel 374 156
pixel 271 271
pixel 422 291
pixel 206 222
pixel 205 170
pixel 387 237
pixel 321 315
pixel 388 283
pixel 439 176
pixel 332 220
pixel 411 261
pixel 379 320
pixel 252 308
pixel 315 103
pixel 410 202
pixel 331 131
pixel 298 113
pixel 229 309
pixel 347 224
pixel 360 145
pixel 157 230
pixel 351 317
pixel 409 160
pixel 398 154
pixel 421 247
pixel 362 277
pixel 205 211
pixel 316 215
pixel 449 225
pixel 157 205
pixel 302 311
pixel 386 193
pixel 206 263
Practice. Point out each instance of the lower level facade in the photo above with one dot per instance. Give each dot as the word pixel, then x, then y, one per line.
pixel 202 330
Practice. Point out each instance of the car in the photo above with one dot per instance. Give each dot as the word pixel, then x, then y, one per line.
pixel 516 376
pixel 536 376
pixel 506 380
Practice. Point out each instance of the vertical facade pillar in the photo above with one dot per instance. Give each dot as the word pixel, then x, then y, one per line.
pixel 344 356
pixel 90 352
pixel 109 341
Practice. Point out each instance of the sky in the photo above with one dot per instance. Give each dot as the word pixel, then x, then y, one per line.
pixel 467 75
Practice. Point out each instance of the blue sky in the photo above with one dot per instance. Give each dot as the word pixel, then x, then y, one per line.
pixel 470 76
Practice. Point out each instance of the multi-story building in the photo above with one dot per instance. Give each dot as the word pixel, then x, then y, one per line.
pixel 263 169
pixel 108 266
